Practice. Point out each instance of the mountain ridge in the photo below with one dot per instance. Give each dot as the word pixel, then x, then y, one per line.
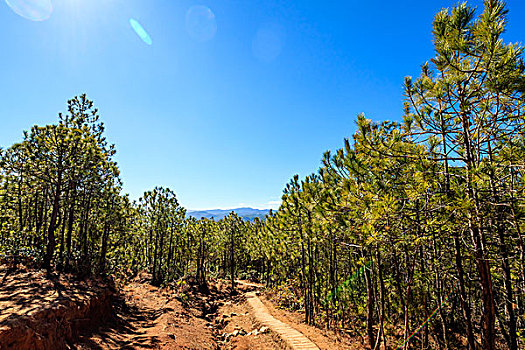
pixel 246 213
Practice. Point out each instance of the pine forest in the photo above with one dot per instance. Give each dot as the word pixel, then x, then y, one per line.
pixel 411 235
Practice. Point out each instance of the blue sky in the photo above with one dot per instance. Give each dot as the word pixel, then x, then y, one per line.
pixel 232 98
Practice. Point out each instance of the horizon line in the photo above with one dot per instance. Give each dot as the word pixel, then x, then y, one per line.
pixel 243 207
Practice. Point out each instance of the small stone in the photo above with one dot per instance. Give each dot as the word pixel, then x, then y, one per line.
pixel 263 330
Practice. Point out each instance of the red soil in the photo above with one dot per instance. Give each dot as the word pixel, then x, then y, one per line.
pixel 44 312
pixel 59 312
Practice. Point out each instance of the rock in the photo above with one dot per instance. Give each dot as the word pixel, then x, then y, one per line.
pixel 263 330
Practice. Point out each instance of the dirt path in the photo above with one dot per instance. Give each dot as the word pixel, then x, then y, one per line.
pixel 321 338
pixel 294 339
pixel 58 311
pixel 147 317
pixel 288 335
pixel 237 329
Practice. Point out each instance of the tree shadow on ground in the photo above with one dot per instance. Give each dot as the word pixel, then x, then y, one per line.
pixel 125 329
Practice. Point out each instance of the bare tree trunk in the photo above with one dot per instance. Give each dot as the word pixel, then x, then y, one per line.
pixel 53 224
pixel 370 303
pixel 462 290
pixel 232 259
pixel 104 248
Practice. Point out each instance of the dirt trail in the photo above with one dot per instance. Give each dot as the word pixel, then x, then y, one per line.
pixel 147 317
pixel 284 320
pixel 60 312
pixel 160 318
pixel 290 336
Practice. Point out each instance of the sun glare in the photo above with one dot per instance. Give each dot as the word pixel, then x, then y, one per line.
pixel 34 10
pixel 200 23
pixel 140 31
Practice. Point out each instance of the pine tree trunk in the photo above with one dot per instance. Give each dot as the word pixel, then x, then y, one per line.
pixel 370 303
pixel 232 260
pixel 53 224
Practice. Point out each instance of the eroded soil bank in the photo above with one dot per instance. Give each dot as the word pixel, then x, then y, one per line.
pixel 40 311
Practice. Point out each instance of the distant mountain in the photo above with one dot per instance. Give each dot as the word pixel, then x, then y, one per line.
pixel 217 214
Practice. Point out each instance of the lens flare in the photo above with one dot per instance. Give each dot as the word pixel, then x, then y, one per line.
pixel 200 23
pixel 141 32
pixel 268 42
pixel 33 10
